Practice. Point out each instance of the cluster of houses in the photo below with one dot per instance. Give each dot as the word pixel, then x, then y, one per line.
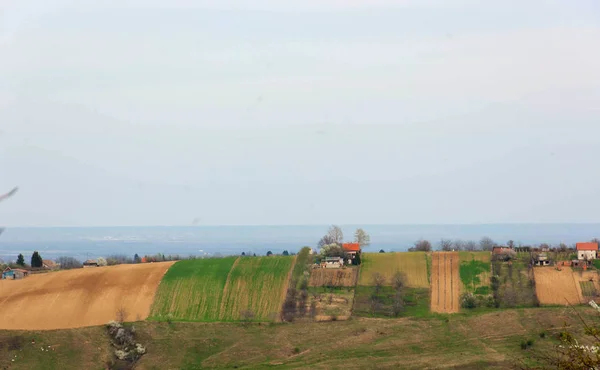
pixel 350 249
pixel 17 273
pixel 586 253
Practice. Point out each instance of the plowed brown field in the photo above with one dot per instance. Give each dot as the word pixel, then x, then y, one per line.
pixel 445 282
pixel 77 298
pixel 333 277
pixel 558 287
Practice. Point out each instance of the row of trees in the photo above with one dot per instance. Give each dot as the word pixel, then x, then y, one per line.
pixel 36 260
pixel 335 235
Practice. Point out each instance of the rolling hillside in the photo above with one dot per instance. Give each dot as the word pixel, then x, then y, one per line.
pixel 78 298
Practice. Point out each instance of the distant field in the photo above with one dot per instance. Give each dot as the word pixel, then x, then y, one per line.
pixel 256 284
pixel 412 264
pixel 475 271
pixel 192 290
pixel 80 297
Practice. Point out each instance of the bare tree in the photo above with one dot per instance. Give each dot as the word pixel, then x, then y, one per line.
pixel 398 281
pixel 486 244
pixel 246 316
pixel 361 237
pixel 470 245
pixel 378 281
pixel 459 244
pixel 446 244
pixel 510 244
pixel 335 233
pixel 122 314
pixel 422 245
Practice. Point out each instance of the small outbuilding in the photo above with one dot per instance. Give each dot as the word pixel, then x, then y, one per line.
pixel 587 251
pixel 14 274
pixel 332 262
pixel 90 263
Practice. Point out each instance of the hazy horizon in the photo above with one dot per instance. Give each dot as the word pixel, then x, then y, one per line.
pixel 310 112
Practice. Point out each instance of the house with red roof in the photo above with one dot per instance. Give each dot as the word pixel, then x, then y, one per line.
pixel 351 249
pixel 587 251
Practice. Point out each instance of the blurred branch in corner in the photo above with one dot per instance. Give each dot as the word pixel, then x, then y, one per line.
pixel 9 194
pixel 6 196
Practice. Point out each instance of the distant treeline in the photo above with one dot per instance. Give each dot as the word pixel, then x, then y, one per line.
pixel 486 244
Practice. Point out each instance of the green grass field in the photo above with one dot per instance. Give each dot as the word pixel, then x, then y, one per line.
pixel 587 288
pixel 416 302
pixel 475 270
pixel 256 285
pixel 192 290
pixel 461 341
pixel 412 264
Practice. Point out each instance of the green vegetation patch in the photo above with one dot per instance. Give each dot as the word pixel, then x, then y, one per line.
pixel 470 273
pixel 192 290
pixel 587 288
pixel 255 290
pixel 415 302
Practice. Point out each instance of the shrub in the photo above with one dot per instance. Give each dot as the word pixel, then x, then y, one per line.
pixel 296 350
pixel 468 300
pixel 523 344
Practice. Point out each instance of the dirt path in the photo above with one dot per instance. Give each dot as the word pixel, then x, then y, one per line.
pixel 81 297
pixel 445 282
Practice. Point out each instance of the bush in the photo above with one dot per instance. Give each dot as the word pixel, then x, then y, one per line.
pixel 468 300
pixel 523 345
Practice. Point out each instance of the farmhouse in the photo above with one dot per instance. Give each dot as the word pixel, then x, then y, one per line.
pixel 541 260
pixel 9 273
pixel 351 250
pixel 587 251
pixel 90 263
pixel 49 265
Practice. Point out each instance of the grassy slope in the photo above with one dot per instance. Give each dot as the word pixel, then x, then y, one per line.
pixel 256 284
pixel 192 290
pixel 475 271
pixel 412 264
pixel 463 341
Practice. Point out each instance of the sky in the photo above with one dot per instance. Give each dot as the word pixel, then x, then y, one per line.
pixel 267 112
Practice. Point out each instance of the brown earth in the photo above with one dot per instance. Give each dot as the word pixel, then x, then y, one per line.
pixel 333 277
pixel 445 282
pixel 561 287
pixel 78 298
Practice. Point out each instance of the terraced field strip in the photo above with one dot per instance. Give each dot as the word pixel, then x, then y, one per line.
pixel 192 290
pixel 445 282
pixel 556 287
pixel 587 284
pixel 412 264
pixel 255 285
pixel 80 297
pixel 333 277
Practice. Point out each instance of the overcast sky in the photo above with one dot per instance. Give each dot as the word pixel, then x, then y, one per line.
pixel 299 112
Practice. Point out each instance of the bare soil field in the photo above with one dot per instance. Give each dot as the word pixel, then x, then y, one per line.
pixel 333 277
pixel 79 298
pixel 556 287
pixel 445 282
